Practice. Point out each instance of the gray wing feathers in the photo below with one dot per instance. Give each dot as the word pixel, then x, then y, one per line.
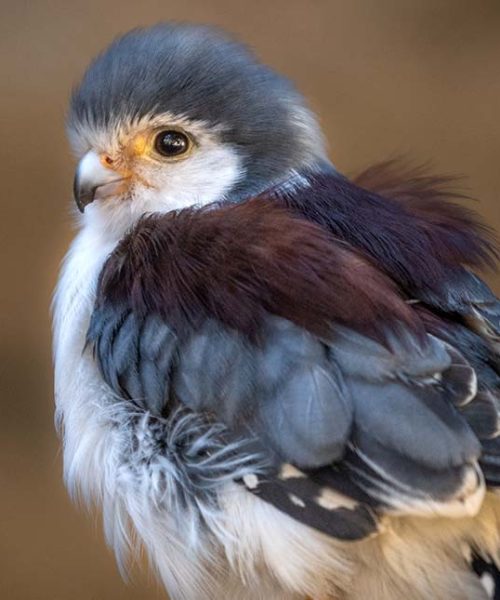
pixel 388 414
pixel 309 419
pixel 409 440
pixel 482 415
pixel 402 398
pixel 135 356
pixel 283 388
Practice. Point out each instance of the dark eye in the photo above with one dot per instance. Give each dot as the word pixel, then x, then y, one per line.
pixel 171 143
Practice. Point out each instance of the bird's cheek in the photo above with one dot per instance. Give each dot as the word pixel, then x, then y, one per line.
pixel 132 180
pixel 141 175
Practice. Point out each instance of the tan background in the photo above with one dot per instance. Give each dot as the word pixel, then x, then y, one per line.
pixel 419 77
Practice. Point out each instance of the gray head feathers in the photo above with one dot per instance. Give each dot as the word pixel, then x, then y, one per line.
pixel 201 74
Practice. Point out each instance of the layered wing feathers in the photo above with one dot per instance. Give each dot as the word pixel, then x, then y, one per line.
pixel 254 317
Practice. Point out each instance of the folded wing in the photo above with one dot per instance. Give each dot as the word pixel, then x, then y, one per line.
pixel 257 319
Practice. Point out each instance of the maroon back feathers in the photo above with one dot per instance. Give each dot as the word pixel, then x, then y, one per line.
pixel 234 262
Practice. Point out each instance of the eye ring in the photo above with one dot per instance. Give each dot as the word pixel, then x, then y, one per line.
pixel 172 143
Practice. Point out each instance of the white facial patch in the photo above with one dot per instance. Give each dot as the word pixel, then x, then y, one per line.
pixel 205 176
pixel 210 170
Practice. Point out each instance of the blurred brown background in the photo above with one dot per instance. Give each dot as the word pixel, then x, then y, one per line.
pixel 413 77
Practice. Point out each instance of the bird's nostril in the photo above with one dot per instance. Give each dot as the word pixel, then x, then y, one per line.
pixel 107 160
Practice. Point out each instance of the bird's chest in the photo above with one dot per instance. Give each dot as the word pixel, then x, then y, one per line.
pixel 73 304
pixel 82 398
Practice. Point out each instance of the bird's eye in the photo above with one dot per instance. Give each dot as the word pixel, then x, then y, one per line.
pixel 171 143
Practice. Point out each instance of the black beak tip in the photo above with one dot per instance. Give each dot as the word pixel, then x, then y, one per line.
pixel 82 195
pixel 80 205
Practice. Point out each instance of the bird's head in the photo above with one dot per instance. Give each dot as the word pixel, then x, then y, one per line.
pixel 178 115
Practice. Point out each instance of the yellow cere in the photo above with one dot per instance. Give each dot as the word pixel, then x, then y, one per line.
pixel 140 144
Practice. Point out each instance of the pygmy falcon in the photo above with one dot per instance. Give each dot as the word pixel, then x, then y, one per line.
pixel 281 382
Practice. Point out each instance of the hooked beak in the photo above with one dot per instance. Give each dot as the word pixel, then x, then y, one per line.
pixel 93 180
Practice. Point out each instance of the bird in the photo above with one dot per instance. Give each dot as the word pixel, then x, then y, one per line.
pixel 279 381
